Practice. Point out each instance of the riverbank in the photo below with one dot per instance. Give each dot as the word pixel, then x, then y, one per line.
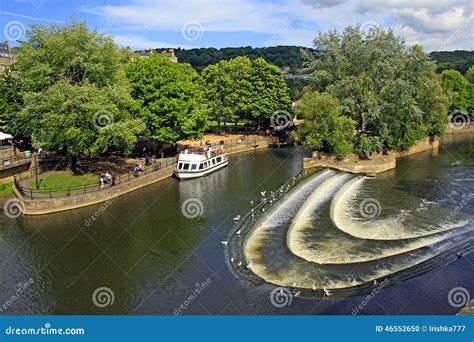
pixel 33 203
pixel 379 162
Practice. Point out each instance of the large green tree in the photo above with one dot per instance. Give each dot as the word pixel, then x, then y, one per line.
pixel 324 127
pixel 243 89
pixel 457 88
pixel 75 94
pixel 169 98
pixel 379 84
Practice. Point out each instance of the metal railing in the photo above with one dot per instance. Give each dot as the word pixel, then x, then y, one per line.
pixel 16 159
pixel 31 194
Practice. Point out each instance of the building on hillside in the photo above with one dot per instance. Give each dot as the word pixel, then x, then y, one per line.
pixel 169 54
pixel 6 56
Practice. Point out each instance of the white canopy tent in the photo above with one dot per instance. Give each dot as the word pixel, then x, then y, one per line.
pixel 5 136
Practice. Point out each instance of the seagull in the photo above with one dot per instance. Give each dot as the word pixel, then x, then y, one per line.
pixel 237 218
pixel 224 243
pixel 239 264
pixel 253 215
pixel 263 193
pixel 375 282
pixel 237 232
pixel 297 293
pixel 271 201
pixel 327 292
pixel 251 202
pixel 294 284
pixel 263 209
pixel 249 265
pixel 232 260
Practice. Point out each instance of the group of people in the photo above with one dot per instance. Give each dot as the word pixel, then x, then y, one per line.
pixel 137 168
pixel 106 178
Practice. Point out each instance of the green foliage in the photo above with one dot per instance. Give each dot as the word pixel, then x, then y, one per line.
pixel 10 98
pixel 325 127
pixel 244 89
pixel 381 86
pixel 459 60
pixel 199 58
pixel 456 87
pixel 69 78
pixel 169 98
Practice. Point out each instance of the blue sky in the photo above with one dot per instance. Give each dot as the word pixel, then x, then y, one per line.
pixel 437 25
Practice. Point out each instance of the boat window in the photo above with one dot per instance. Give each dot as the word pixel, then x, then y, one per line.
pixel 193 167
pixel 180 166
pixel 201 166
pixel 186 166
pixel 214 161
pixel 219 159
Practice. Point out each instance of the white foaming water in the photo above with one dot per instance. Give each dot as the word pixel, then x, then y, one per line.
pixel 302 220
pixel 282 213
pixel 390 228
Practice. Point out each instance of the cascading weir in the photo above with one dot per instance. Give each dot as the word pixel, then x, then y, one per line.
pixel 289 246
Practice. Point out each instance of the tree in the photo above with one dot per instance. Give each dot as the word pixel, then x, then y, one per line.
pixel 243 89
pixel 229 89
pixel 10 98
pixel 379 84
pixel 75 93
pixel 269 91
pixel 325 127
pixel 457 88
pixel 169 98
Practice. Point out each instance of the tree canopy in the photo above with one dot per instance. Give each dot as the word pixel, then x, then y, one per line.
pixel 243 89
pixel 381 85
pixel 169 98
pixel 74 91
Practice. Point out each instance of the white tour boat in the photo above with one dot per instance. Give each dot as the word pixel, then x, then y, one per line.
pixel 198 162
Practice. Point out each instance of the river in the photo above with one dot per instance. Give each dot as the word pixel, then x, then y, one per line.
pixel 159 250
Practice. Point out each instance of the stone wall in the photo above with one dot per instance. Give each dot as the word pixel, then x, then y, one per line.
pixel 377 163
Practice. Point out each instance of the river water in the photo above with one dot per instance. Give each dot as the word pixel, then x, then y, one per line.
pixel 159 249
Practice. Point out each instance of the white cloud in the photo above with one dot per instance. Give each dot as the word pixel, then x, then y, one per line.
pixel 138 42
pixel 433 24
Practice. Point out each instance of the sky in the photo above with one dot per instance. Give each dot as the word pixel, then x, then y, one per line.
pixel 143 24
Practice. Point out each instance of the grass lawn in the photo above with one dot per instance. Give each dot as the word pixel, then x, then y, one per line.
pixel 63 179
pixel 6 191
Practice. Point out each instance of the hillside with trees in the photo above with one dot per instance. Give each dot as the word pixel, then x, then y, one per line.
pixel 459 60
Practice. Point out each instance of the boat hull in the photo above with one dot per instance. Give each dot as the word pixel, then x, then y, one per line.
pixel 190 175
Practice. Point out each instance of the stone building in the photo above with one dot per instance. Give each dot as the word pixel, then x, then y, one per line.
pixel 6 56
pixel 169 53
